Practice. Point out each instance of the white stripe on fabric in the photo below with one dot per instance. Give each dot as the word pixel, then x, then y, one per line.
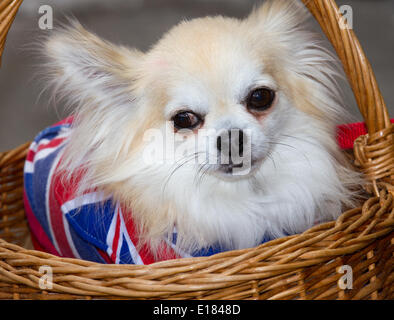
pixel 45 152
pixel 33 146
pixel 120 240
pixel 85 199
pixel 69 237
pixel 29 167
pixel 111 232
pixel 132 249
pixel 48 150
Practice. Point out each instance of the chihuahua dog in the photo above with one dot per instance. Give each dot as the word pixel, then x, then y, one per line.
pixel 245 111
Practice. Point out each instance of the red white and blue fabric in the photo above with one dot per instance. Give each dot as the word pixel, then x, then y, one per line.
pixel 91 227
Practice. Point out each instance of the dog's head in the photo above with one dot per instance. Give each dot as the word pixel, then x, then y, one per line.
pixel 207 104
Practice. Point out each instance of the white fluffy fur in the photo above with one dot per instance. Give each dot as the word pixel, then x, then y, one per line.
pixel 208 65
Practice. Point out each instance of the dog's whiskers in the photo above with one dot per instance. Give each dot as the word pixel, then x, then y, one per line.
pixel 187 159
pixel 201 173
pixel 300 139
pixel 292 147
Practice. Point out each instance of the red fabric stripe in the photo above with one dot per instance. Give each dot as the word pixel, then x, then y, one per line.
pixel 145 253
pixel 56 199
pixel 51 144
pixel 105 256
pixel 30 155
pixel 348 133
pixel 115 242
pixel 36 244
pixel 39 238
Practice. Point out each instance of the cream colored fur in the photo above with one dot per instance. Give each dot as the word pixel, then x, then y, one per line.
pixel 208 65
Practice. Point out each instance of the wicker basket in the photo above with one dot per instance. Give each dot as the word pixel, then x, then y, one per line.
pixel 302 266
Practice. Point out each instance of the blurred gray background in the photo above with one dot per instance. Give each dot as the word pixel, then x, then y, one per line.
pixel 140 23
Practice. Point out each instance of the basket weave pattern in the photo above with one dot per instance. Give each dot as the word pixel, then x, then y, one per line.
pixel 8 10
pixel 302 266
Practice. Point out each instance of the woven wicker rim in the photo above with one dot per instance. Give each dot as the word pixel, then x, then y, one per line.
pixel 296 267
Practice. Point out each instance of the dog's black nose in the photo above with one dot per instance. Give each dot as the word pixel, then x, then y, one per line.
pixel 231 141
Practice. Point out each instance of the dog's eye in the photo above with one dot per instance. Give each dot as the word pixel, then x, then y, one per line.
pixel 186 120
pixel 260 99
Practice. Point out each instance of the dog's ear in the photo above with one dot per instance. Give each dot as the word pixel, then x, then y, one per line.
pixel 281 31
pixel 98 80
pixel 82 67
pixel 279 15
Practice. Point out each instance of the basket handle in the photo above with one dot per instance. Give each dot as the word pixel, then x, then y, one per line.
pixel 374 152
pixel 8 10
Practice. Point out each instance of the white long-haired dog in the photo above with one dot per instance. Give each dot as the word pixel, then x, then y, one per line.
pixel 262 88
